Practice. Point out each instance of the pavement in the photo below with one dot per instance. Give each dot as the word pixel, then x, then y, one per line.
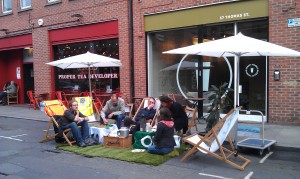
pixel 286 136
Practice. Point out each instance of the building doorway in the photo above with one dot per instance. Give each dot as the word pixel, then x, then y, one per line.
pixel 28 80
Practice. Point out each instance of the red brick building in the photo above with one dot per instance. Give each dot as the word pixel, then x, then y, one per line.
pixel 54 29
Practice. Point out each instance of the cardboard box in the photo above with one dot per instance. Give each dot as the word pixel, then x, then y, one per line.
pixel 117 142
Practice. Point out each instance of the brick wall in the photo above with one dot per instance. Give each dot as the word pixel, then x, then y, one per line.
pixel 284 95
pixel 59 15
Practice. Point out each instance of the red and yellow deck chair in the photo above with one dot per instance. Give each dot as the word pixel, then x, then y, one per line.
pixel 212 142
pixel 54 108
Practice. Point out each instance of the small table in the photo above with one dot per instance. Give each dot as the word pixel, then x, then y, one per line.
pixel 101 132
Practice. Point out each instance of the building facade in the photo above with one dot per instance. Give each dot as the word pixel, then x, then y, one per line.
pixel 36 32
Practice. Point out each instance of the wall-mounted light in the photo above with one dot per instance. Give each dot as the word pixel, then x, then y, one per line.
pixel 276 75
pixel 79 16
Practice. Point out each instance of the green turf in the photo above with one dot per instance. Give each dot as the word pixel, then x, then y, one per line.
pixel 123 154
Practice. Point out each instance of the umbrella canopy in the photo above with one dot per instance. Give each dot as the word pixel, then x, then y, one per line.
pixel 86 60
pixel 237 46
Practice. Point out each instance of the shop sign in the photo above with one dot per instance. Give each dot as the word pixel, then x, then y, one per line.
pixel 235 16
pixel 252 70
pixel 295 22
pixel 85 76
pixel 18 73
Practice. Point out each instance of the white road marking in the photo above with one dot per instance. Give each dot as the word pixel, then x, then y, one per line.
pixel 214 176
pixel 18 135
pixel 11 138
pixel 263 159
pixel 249 175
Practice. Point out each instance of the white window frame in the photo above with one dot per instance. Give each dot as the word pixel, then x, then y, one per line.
pixel 52 0
pixel 3 6
pixel 24 7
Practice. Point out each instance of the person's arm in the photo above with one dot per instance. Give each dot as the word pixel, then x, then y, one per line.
pixel 83 117
pixel 104 109
pixel 122 108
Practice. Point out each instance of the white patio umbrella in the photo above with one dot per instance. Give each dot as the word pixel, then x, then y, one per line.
pixel 86 60
pixel 236 46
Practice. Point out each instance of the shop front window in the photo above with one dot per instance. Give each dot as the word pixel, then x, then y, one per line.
pixel 76 80
pixel 162 67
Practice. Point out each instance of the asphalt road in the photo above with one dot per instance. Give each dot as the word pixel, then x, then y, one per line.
pixel 22 156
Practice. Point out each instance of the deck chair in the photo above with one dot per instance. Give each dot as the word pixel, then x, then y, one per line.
pixel 85 106
pixel 191 113
pixel 129 109
pixel 54 108
pixel 213 140
pixel 144 104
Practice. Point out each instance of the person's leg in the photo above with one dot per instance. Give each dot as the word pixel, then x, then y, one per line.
pixel 161 151
pixel 84 129
pixel 120 117
pixel 185 126
pixel 75 131
pixel 4 98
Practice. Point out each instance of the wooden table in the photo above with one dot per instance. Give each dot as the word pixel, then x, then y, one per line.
pixel 103 97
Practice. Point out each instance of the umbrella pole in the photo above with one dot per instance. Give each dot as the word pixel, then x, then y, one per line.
pixel 236 92
pixel 90 81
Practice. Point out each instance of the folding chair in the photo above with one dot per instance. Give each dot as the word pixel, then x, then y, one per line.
pixel 13 98
pixel 54 108
pixel 129 109
pixel 33 101
pixel 60 95
pixel 191 113
pixel 213 140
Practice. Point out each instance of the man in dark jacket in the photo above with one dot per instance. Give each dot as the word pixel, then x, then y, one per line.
pixel 163 140
pixel 72 118
pixel 178 114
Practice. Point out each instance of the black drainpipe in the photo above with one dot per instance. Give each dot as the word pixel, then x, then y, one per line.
pixel 131 51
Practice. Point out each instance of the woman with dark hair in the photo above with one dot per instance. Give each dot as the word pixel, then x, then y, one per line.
pixel 178 114
pixel 163 140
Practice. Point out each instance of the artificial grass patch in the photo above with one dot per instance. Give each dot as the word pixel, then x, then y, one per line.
pixel 123 154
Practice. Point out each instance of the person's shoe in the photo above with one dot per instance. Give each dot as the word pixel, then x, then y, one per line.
pixel 89 141
pixel 81 144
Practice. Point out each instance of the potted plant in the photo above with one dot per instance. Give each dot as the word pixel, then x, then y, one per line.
pixel 220 101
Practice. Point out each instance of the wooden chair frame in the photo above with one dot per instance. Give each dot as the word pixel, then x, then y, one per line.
pixel 209 138
pixel 13 96
pixel 50 112
pixel 191 113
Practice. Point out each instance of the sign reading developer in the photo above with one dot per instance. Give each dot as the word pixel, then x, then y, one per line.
pixel 84 76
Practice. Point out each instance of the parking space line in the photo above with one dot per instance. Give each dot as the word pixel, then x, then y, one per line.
pixel 13 137
pixel 214 176
pixel 265 158
pixel 249 175
pixel 18 135
pixel 10 138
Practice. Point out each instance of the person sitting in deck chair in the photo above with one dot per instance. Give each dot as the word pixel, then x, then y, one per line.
pixel 113 109
pixel 72 118
pixel 147 112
